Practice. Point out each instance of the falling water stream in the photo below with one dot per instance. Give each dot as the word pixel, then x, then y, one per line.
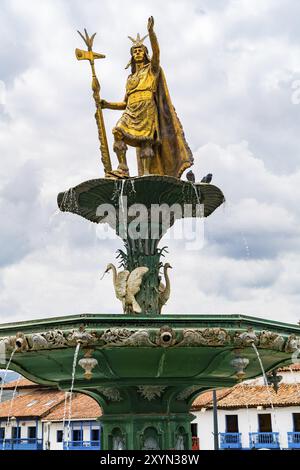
pixel 53 215
pixel 71 392
pixel 246 246
pixel 267 385
pixel 10 410
pixel 5 373
pixel 121 204
pixel 69 201
pixel 132 186
pixel 196 192
pixel 121 197
pixel 65 415
pixel 201 207
pixel 261 364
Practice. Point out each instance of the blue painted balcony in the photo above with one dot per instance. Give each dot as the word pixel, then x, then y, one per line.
pixel 82 445
pixel 6 444
pixel 230 440
pixel 293 440
pixel 21 444
pixel 264 440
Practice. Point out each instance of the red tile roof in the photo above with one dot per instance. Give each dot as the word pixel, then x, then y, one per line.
pixel 83 407
pixel 293 367
pixel 36 404
pixel 49 404
pixel 206 398
pixel 22 383
pixel 252 396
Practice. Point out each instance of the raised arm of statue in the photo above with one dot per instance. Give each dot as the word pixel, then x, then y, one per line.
pixel 154 45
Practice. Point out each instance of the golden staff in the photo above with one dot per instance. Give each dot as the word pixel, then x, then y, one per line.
pixel 90 55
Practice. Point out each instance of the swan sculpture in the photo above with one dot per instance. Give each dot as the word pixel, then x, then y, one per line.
pixel 164 290
pixel 127 285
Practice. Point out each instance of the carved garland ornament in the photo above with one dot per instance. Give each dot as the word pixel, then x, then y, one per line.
pixel 165 337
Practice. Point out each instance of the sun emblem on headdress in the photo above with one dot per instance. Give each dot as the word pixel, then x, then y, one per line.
pixel 138 41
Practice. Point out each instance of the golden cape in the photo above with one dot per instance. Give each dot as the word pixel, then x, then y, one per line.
pixel 173 155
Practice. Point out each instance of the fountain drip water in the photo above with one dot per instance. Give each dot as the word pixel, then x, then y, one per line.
pixel 261 364
pixel 69 201
pixel 246 246
pixel 121 201
pixel 71 392
pixel 53 215
pixel 132 186
pixel 65 415
pixel 267 385
pixel 196 192
pixel 10 410
pixel 200 208
pixel 122 219
pixel 5 373
pixel 115 194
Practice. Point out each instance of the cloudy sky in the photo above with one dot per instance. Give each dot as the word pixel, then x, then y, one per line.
pixel 233 70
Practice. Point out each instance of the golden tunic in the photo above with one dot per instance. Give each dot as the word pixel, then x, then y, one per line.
pixel 139 122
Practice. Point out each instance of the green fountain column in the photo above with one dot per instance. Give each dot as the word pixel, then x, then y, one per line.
pixel 145 417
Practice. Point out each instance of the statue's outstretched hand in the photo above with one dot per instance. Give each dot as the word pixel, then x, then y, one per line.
pixel 150 24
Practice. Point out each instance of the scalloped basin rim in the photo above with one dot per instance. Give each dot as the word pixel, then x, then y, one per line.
pixel 86 318
pixel 145 190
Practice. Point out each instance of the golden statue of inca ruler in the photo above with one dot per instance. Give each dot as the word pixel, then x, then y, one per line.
pixel 149 121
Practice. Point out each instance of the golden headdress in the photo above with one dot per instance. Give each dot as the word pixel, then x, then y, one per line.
pixel 138 42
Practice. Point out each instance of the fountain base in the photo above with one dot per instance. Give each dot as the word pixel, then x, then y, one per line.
pixel 145 373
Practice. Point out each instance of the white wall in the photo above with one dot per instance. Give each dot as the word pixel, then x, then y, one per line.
pixel 287 377
pixel 282 422
pixel 50 432
pixel 24 425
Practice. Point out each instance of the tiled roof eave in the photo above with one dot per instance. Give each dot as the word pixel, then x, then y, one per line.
pixel 56 420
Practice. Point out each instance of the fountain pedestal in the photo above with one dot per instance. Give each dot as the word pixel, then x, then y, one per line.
pixel 141 210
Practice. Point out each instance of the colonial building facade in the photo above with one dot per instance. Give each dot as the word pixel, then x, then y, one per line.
pixel 35 417
pixel 252 415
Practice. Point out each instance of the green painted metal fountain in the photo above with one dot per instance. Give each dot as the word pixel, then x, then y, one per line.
pixel 143 367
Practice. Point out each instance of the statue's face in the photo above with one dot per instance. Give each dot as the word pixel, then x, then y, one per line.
pixel 138 54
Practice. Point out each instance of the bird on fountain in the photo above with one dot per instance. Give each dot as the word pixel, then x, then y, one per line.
pixel 207 179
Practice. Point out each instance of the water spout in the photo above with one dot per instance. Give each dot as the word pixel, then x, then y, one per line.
pixel 71 391
pixel 122 219
pixel 5 373
pixel 267 385
pixel 260 363
pixel 200 207
pixel 53 215
pixel 69 201
pixel 10 410
pixel 132 186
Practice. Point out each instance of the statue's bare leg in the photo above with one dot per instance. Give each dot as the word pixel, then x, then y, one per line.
pixel 147 154
pixel 120 149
